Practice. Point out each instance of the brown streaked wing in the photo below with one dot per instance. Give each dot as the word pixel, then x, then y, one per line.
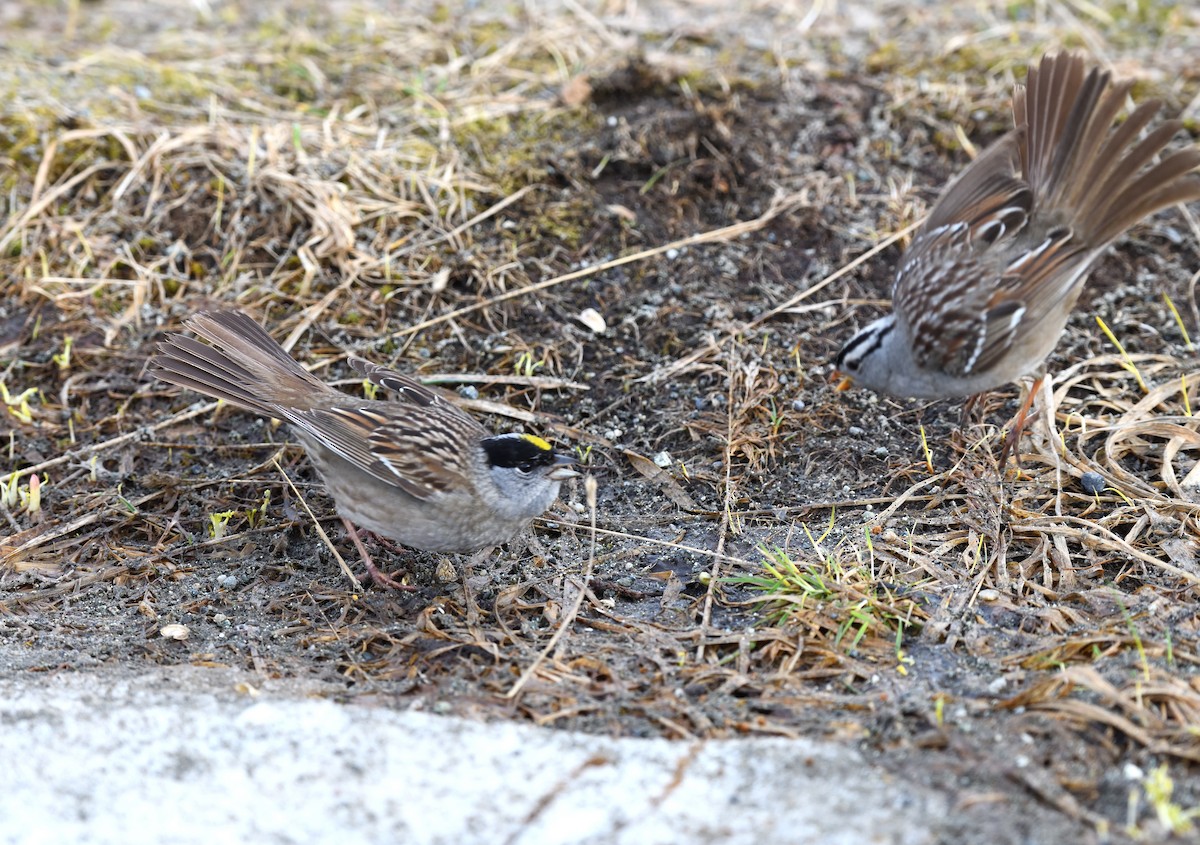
pixel 1038 281
pixel 990 298
pixel 950 289
pixel 940 294
pixel 987 189
pixel 435 460
pixel 416 448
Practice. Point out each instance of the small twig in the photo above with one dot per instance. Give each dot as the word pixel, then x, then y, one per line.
pixel 478 218
pixel 87 451
pixel 540 382
pixel 315 310
pixel 622 535
pixel 884 515
pixel 589 485
pixel 726 511
pixel 723 234
pixel 832 277
pixel 501 409
pixel 329 543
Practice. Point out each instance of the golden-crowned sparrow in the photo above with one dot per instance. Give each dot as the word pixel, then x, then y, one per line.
pixel 416 469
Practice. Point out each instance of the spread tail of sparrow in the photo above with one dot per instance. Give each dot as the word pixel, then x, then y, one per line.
pixel 1099 176
pixel 245 366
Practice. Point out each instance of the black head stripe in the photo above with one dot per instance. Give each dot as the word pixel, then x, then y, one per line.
pixel 872 341
pixel 518 450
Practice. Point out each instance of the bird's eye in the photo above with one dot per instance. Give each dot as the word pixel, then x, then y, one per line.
pixel 526 467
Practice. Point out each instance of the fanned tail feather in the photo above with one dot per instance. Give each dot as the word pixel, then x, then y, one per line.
pixel 245 366
pixel 1100 177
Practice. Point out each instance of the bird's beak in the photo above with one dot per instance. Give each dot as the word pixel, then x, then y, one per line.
pixel 563 468
pixel 844 382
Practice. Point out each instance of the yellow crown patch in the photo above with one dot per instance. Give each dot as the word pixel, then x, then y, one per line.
pixel 537 441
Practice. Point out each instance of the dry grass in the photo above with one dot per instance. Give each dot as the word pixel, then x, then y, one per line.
pixel 448 191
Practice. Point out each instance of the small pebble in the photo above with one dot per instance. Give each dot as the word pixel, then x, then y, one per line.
pixel 662 460
pixel 881 451
pixel 175 631
pixel 468 391
pixel 1092 482
pixel 856 431
pixel 592 318
pixel 798 405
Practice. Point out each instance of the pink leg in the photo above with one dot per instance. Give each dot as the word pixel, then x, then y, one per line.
pixel 1017 427
pixel 376 575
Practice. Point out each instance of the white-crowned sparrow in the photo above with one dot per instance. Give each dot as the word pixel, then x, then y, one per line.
pixel 416 469
pixel 985 289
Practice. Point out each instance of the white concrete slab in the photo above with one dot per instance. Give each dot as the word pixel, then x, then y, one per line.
pixel 181 756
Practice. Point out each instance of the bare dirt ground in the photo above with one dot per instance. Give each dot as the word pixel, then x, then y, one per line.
pixel 448 190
